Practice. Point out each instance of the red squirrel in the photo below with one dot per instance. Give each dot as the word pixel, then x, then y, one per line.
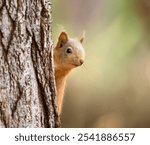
pixel 68 54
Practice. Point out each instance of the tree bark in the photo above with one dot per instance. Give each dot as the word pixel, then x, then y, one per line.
pixel 27 86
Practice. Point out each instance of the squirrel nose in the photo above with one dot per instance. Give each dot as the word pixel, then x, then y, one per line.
pixel 81 61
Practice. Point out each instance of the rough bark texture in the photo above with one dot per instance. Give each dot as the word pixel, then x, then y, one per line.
pixel 27 86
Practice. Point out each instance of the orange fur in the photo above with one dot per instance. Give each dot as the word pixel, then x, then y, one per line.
pixel 65 62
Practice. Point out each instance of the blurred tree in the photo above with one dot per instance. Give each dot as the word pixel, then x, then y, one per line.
pixel 27 91
pixel 143 7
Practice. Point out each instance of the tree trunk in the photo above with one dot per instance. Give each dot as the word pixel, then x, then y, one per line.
pixel 27 86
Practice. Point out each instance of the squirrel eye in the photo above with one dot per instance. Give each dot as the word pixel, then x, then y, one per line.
pixel 69 50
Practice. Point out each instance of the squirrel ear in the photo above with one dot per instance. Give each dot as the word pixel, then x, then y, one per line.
pixel 63 38
pixel 81 39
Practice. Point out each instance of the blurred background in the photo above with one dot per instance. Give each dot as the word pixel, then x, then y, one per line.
pixel 112 89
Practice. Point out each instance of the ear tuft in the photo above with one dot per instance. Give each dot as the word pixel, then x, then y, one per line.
pixel 83 37
pixel 63 38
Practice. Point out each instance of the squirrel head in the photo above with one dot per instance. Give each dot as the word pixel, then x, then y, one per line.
pixel 68 53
